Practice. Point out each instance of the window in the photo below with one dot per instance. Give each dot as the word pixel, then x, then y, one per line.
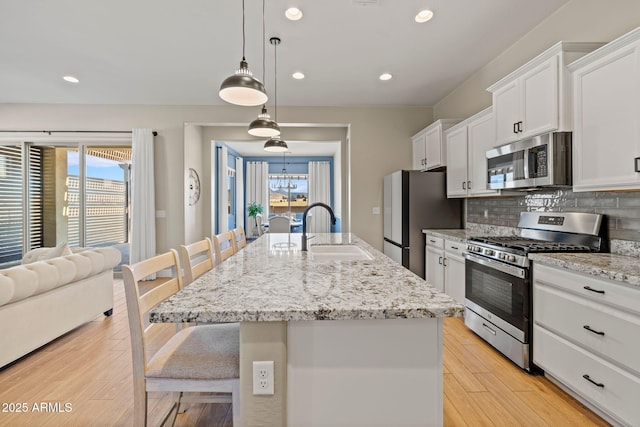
pixel 288 193
pixel 12 214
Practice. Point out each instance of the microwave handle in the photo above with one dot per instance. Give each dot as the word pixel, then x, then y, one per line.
pixel 526 164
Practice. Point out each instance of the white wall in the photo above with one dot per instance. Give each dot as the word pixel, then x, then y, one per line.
pixel 379 144
pixel 577 21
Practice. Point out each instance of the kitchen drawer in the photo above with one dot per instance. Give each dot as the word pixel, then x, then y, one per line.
pixel 612 333
pixel 454 247
pixel 599 290
pixel 619 391
pixel 437 242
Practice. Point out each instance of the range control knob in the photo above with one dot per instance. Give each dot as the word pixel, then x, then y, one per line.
pixel 502 256
pixel 489 252
pixel 511 258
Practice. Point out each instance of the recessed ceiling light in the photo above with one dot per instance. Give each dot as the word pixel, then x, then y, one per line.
pixel 424 16
pixel 298 75
pixel 293 13
pixel 385 76
pixel 71 79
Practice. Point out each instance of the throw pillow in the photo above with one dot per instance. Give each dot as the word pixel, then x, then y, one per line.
pixel 40 254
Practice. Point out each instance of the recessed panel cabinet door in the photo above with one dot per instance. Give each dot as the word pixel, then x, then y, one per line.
pixel 507 111
pixel 457 181
pixel 539 104
pixel 419 152
pixel 481 137
pixel 606 137
pixel 434 274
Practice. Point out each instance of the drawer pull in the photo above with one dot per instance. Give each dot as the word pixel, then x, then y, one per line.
pixel 588 328
pixel 597 291
pixel 489 329
pixel 454 247
pixel 586 377
pixel 432 241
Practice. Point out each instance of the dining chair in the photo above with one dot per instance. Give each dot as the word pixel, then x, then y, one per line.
pixel 279 224
pixel 240 237
pixel 224 245
pixel 260 224
pixel 195 359
pixel 197 258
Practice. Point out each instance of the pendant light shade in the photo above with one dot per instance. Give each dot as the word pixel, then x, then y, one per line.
pixel 242 88
pixel 275 145
pixel 263 126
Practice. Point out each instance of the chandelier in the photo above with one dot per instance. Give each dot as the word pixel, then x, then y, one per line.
pixel 284 180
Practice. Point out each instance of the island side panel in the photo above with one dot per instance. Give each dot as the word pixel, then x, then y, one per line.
pixel 262 341
pixel 365 372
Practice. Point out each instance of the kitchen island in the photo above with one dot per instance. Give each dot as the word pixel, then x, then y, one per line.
pixel 354 342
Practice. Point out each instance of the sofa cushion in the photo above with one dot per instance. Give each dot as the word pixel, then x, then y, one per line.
pixel 41 254
pixel 25 282
pixel 48 277
pixel 6 289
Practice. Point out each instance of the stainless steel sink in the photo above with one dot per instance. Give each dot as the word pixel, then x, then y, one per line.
pixel 338 253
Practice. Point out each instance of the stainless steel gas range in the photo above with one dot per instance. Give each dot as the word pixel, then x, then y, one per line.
pixel 498 276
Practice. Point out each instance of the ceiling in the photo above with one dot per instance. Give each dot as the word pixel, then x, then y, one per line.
pixel 172 52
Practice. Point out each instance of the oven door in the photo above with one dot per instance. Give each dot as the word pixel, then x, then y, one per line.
pixel 500 293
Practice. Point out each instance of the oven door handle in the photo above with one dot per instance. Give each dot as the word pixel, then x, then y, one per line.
pixel 500 266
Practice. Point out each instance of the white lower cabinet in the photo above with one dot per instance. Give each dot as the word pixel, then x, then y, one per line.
pixel 444 261
pixel 586 336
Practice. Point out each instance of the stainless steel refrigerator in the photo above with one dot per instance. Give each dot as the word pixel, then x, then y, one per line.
pixel 414 201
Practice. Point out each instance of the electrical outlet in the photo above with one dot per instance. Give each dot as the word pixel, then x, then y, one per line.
pixel 263 377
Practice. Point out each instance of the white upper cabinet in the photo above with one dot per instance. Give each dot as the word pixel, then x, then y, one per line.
pixel 429 150
pixel 457 177
pixel 606 124
pixel 536 97
pixel 467 145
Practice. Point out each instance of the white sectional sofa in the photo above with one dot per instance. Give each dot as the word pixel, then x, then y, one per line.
pixel 43 300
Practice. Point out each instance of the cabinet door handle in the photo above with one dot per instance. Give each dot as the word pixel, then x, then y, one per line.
pixel 444 262
pixel 468 185
pixel 515 127
pixel 440 260
pixel 586 377
pixel 637 164
pixel 520 126
pixel 588 328
pixel 464 185
pixel 597 291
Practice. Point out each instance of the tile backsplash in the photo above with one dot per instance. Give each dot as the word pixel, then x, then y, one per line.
pixel 622 210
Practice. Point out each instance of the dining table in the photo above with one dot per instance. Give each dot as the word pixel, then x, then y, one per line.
pixel 356 339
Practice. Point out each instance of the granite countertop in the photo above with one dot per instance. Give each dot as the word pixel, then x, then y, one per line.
pixel 272 280
pixel 622 268
pixel 458 234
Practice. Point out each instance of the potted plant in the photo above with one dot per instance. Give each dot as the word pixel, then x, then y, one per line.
pixel 253 210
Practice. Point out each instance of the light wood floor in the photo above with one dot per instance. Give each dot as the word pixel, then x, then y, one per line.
pixel 90 369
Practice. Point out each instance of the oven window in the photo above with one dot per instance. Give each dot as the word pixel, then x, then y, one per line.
pixel 501 294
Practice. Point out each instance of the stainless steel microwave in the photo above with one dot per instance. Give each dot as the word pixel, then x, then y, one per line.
pixel 544 160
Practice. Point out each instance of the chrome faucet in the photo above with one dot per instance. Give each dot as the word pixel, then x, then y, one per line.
pixel 304 221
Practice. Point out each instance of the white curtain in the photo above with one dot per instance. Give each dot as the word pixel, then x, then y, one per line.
pixel 319 191
pixel 143 205
pixel 223 191
pixel 239 193
pixel 257 191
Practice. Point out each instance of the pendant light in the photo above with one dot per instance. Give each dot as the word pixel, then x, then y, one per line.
pixel 263 126
pixel 242 88
pixel 275 144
